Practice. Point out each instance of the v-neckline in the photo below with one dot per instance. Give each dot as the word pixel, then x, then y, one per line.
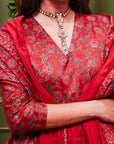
pixel 52 40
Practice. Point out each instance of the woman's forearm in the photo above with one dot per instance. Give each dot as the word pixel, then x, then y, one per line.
pixel 66 114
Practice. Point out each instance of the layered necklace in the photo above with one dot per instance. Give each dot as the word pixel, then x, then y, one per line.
pixel 61 32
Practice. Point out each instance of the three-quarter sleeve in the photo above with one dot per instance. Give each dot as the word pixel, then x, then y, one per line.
pixel 23 112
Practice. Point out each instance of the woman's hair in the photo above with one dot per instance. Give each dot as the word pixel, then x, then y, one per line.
pixel 29 7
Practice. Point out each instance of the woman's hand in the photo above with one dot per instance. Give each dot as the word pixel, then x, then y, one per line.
pixel 105 110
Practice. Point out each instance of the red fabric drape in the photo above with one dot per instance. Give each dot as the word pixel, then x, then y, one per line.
pixel 92 128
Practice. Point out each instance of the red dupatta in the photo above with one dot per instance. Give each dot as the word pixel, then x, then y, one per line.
pixel 92 128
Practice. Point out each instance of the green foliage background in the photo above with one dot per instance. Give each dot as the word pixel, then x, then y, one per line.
pixel 97 6
pixel 12 9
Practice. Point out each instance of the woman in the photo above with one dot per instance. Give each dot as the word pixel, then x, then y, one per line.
pixel 57 74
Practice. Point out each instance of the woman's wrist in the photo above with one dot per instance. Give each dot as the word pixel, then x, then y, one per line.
pixel 97 107
pixel 93 109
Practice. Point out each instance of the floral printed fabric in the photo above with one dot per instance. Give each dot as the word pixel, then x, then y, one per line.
pixel 23 113
pixel 62 76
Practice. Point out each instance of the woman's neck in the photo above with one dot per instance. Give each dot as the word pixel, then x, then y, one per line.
pixel 54 6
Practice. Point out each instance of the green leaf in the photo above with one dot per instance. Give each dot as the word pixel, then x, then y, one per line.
pixel 12 9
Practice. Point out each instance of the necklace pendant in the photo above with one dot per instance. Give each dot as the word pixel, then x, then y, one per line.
pixel 60 19
pixel 65 51
pixel 61 33
pixel 64 47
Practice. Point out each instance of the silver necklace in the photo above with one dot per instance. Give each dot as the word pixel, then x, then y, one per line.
pixel 61 33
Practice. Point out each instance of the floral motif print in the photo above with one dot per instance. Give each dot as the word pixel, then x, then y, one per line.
pixel 108 133
pixel 62 76
pixel 22 111
pixel 78 67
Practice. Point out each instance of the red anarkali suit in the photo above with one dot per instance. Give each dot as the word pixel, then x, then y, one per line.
pixel 33 72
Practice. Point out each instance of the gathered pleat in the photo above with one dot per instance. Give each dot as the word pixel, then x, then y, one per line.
pixel 65 135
